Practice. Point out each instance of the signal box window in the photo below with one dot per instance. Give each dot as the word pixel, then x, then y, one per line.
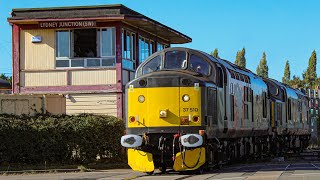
pixel 85 43
pixel 63 42
pixel 85 48
pixel 146 48
pixel 161 46
pixel 128 50
pixel 175 60
pixel 197 64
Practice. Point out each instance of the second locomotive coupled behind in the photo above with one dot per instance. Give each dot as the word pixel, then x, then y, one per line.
pixel 187 110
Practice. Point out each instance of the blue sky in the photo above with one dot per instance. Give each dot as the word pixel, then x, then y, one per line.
pixel 284 29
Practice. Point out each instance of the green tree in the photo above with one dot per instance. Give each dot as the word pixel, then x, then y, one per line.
pixel 241 59
pixel 310 75
pixel 215 53
pixel 286 75
pixel 238 57
pixel 263 69
pixel 318 82
pixel 296 82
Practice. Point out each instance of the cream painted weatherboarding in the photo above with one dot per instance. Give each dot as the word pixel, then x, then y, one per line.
pixel 93 77
pixel 37 56
pixel 43 78
pixel 92 103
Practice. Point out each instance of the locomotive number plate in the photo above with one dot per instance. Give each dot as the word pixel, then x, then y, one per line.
pixel 190 109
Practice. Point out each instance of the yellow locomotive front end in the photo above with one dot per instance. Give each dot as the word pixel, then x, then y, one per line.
pixel 156 107
pixel 165 119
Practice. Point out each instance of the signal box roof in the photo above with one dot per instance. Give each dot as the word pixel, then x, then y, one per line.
pixel 102 13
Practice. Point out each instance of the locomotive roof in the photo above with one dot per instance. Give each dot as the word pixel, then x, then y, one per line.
pixel 224 62
pixel 281 85
pixel 4 84
pixel 292 92
pixel 236 68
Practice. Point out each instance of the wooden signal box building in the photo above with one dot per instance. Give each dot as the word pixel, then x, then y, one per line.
pixel 87 53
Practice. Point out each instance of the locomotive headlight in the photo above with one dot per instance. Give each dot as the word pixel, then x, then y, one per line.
pixel 131 141
pixel 141 98
pixel 186 98
pixel 191 140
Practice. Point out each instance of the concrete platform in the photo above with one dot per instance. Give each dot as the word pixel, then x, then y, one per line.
pixel 301 170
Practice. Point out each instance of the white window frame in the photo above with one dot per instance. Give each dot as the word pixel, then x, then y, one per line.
pixel 69 46
pixel 99 48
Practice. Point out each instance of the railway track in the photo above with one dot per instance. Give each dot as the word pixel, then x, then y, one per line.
pixel 308 159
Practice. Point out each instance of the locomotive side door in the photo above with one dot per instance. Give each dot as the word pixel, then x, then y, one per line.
pixel 248 107
pixel 211 107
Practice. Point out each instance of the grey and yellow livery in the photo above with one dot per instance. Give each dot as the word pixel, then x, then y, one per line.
pixel 187 110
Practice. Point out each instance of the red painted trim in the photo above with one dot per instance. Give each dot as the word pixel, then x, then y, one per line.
pixel 15 59
pixel 108 24
pixel 67 69
pixel 119 69
pixel 70 89
pixel 29 26
pixel 99 24
pixel 118 17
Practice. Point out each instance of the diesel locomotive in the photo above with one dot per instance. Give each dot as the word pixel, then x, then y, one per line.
pixel 187 110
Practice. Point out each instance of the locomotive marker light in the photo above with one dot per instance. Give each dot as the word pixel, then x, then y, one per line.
pixel 196 118
pixel 132 119
pixel 131 141
pixel 186 98
pixel 191 140
pixel 141 98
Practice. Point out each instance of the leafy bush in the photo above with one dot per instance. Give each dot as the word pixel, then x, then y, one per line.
pixel 60 139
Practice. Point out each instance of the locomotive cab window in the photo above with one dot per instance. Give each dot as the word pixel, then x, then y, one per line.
pixel 197 64
pixel 152 66
pixel 175 60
